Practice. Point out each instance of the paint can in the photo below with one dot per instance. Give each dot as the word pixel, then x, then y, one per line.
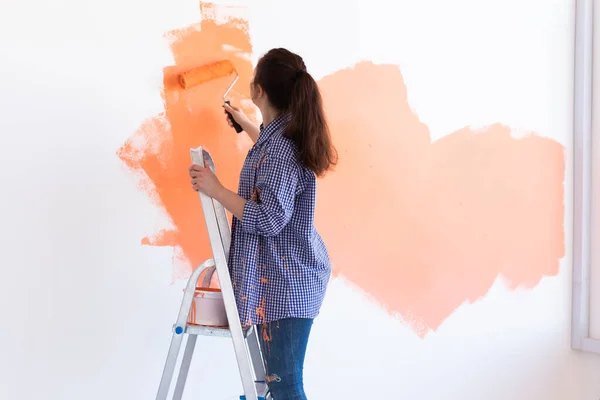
pixel 208 308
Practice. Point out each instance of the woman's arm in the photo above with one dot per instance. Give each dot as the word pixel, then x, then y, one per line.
pixel 252 130
pixel 238 115
pixel 272 203
pixel 205 181
pixel 232 202
pixel 276 187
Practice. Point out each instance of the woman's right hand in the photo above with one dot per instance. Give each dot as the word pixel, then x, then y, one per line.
pixel 238 115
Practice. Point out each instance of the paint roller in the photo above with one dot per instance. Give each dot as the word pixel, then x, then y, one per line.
pixel 208 72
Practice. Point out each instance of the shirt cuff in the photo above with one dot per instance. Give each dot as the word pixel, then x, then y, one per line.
pixel 250 217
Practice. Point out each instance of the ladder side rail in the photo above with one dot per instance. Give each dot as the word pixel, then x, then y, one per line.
pixel 252 334
pixel 235 327
pixel 220 212
pixel 222 221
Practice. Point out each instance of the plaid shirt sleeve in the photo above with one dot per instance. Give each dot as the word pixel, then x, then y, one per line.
pixel 272 207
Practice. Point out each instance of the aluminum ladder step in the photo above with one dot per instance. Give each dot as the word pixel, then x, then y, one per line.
pixel 201 330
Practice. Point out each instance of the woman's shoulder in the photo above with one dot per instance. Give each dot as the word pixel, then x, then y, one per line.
pixel 282 150
pixel 282 147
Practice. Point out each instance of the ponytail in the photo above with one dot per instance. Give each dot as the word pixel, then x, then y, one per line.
pixel 291 88
pixel 308 127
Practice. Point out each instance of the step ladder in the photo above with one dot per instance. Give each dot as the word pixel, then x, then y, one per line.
pixel 245 340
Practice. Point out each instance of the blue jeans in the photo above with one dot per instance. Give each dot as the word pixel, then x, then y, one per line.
pixel 283 346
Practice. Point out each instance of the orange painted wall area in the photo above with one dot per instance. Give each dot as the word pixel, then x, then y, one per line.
pixel 161 147
pixel 419 226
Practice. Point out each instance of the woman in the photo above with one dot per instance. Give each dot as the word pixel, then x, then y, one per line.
pixel 278 262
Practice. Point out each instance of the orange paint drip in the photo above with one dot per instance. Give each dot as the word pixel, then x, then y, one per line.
pixel 260 311
pixel 285 267
pixel 266 336
pixel 255 197
pixel 192 316
pixel 437 221
pixel 264 280
pixel 264 351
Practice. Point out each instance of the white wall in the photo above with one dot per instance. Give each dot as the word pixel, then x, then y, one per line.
pixel 594 306
pixel 86 309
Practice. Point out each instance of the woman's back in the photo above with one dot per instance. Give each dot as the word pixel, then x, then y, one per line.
pixel 278 261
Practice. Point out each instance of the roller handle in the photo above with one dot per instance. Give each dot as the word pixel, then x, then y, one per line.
pixel 238 127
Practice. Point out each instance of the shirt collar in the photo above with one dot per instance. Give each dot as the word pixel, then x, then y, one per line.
pixel 278 125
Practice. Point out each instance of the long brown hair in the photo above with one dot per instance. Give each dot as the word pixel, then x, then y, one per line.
pixel 290 88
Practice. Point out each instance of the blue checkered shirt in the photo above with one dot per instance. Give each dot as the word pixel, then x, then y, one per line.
pixel 278 262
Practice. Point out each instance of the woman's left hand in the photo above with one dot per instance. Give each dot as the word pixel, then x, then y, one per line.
pixel 205 181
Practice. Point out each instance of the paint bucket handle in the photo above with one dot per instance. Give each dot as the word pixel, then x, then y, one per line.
pixel 207 278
